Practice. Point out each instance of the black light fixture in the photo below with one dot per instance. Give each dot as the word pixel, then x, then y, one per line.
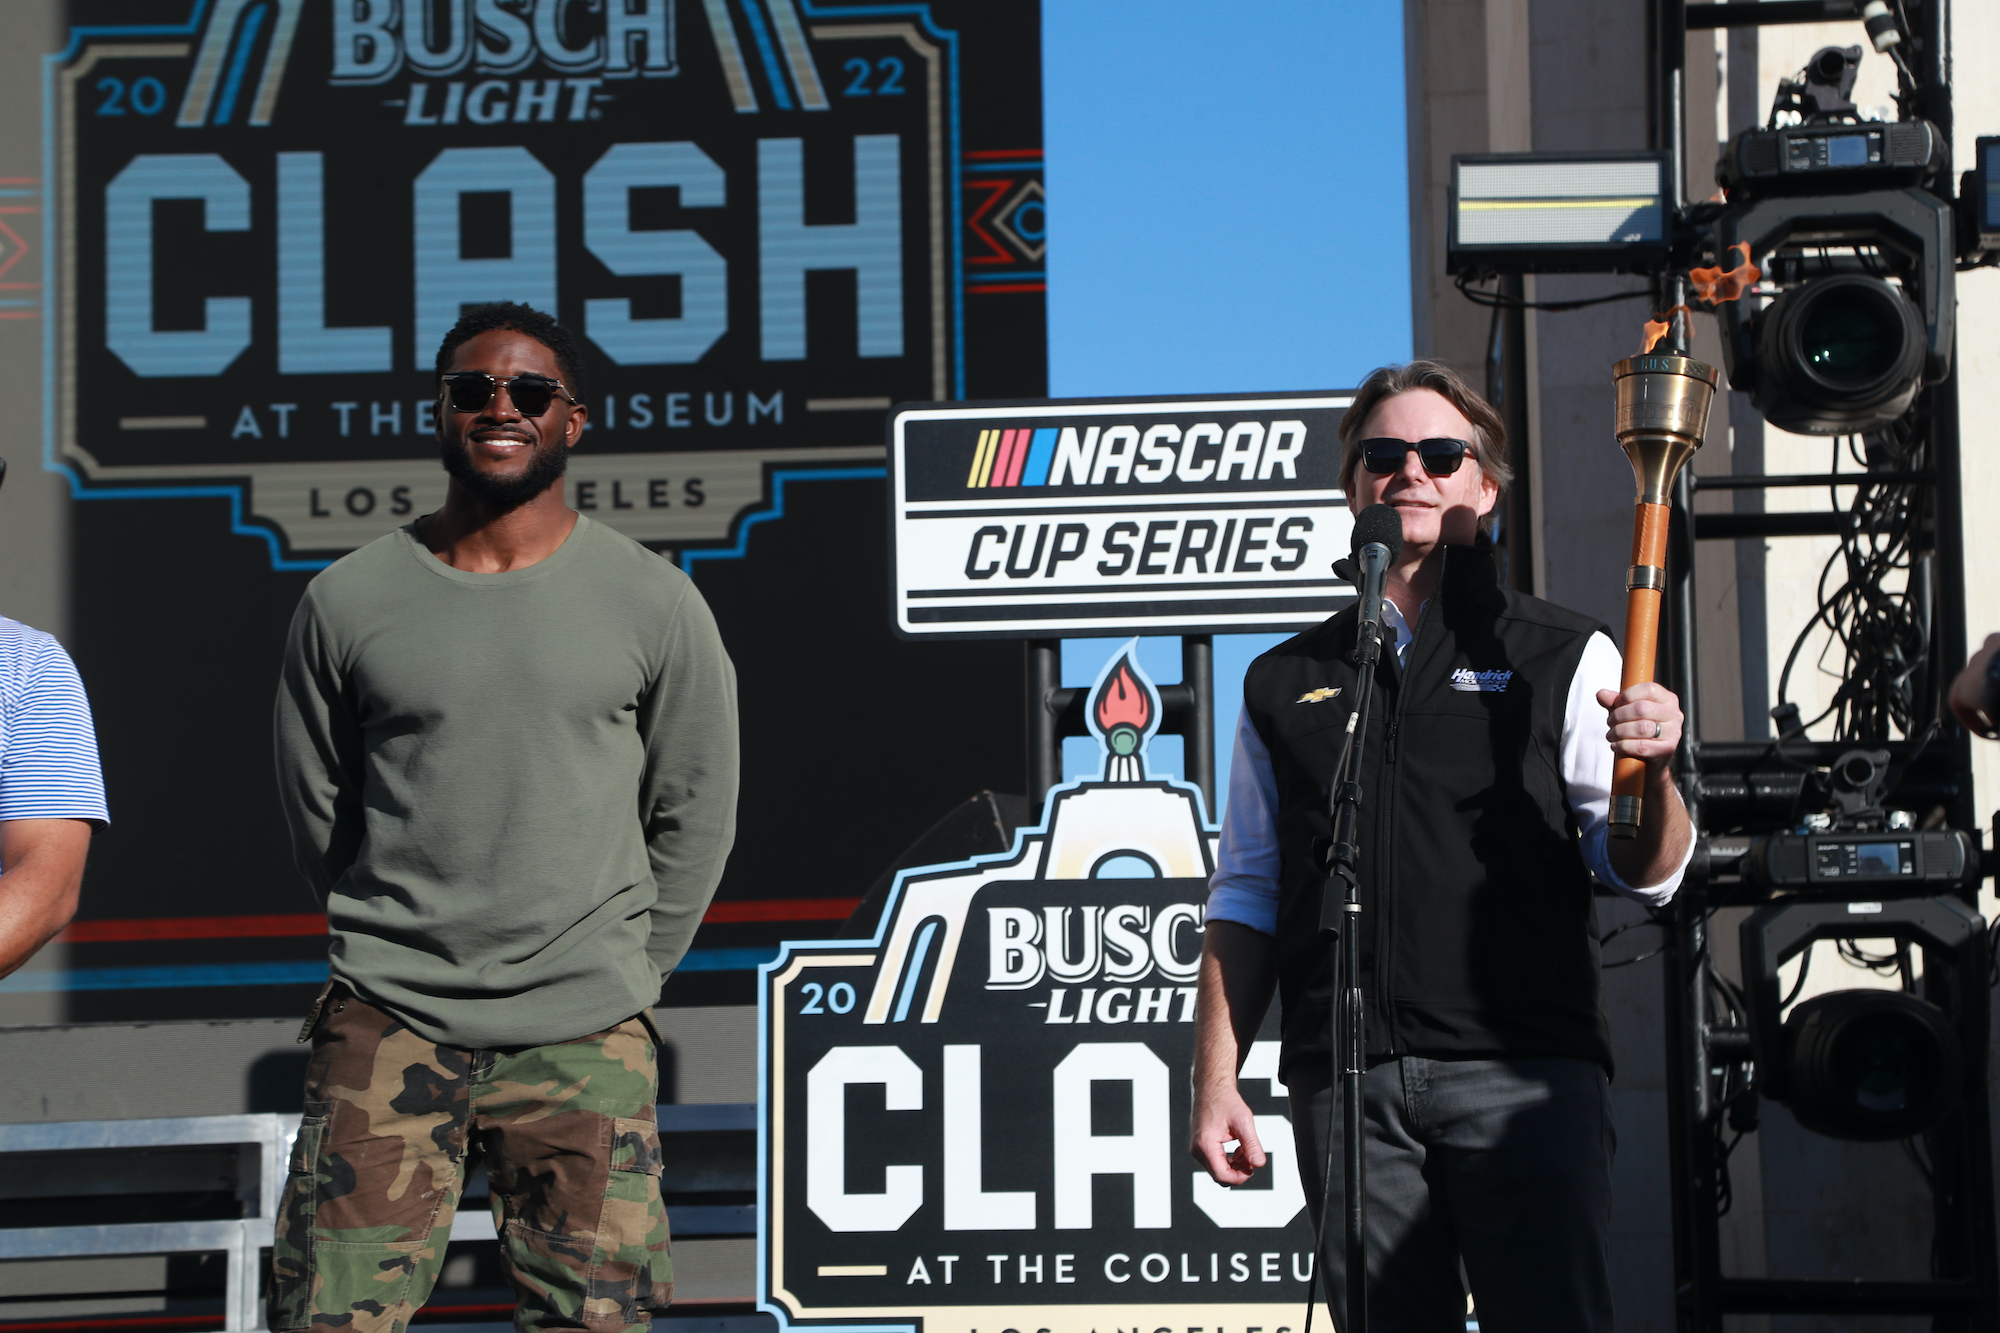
pixel 1834 210
pixel 1869 1064
pixel 1864 315
pixel 1839 354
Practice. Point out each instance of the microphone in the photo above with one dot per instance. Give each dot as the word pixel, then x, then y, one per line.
pixel 1378 540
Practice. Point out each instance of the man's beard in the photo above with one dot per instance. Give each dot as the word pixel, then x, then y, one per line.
pixel 546 466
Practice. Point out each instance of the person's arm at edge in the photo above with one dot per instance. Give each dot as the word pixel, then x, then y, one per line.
pixel 51 801
pixel 41 874
pixel 317 748
pixel 1969 691
pixel 1238 966
pixel 687 798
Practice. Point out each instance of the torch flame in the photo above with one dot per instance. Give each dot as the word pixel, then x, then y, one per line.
pixel 1661 326
pixel 1712 286
pixel 1716 285
pixel 1123 699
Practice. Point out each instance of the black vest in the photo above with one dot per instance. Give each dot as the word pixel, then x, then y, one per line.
pixel 1479 930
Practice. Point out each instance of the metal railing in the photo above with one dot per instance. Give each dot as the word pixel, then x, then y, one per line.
pixel 243 1240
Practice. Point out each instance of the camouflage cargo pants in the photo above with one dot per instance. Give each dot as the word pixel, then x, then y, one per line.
pixel 568 1136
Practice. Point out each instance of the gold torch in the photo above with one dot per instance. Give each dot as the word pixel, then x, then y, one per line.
pixel 1663 405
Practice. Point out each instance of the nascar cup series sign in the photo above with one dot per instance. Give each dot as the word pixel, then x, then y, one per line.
pixel 268 213
pixel 976 1120
pixel 1215 514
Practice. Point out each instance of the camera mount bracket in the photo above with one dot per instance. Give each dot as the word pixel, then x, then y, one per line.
pixel 1773 935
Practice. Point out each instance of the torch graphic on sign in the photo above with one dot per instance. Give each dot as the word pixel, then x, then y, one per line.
pixel 1125 713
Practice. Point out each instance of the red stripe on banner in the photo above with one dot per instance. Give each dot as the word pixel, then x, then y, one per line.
pixel 195 928
pixel 1006 458
pixel 294 925
pixel 781 909
pixel 1008 287
pixel 1020 457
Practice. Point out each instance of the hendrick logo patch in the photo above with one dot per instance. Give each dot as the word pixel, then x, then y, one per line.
pixel 1481 682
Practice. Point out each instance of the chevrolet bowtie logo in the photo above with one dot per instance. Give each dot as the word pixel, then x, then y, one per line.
pixel 1319 695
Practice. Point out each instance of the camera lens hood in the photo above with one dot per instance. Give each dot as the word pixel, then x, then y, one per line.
pixel 1838 354
pixel 1871 1065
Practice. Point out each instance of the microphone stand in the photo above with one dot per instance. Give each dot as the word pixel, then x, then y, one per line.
pixel 1340 926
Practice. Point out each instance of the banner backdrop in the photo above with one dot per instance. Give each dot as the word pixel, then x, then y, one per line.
pixel 766 219
pixel 977 1119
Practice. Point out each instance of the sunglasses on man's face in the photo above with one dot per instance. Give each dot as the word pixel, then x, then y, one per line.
pixel 1439 457
pixel 472 390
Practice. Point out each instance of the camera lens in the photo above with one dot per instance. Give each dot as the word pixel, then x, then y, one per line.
pixel 1827 65
pixel 1880 1068
pixel 1855 771
pixel 1851 337
pixel 1871 1064
pixel 1837 354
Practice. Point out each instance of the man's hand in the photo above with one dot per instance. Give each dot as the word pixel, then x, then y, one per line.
pixel 41 869
pixel 1646 723
pixel 1239 967
pixel 1220 1116
pixel 1968 693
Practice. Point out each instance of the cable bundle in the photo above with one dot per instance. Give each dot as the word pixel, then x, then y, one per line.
pixel 1879 633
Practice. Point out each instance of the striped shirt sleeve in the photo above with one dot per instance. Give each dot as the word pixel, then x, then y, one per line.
pixel 48 745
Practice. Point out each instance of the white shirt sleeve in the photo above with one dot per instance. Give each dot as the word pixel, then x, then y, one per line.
pixel 1244 887
pixel 1586 770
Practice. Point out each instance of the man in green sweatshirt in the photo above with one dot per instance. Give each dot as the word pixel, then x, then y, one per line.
pixel 507 752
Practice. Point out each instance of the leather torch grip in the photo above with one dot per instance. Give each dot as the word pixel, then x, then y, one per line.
pixel 1644 585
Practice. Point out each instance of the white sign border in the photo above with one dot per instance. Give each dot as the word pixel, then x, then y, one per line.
pixel 1316 605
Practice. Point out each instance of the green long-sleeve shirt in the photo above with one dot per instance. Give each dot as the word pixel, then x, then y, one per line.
pixel 513 792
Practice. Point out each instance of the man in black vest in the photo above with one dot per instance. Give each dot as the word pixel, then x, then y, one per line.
pixel 1487 785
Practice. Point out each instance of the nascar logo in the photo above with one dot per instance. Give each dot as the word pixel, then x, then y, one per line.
pixel 1101 455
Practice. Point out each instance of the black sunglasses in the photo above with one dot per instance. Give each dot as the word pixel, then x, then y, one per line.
pixel 471 390
pixel 1439 457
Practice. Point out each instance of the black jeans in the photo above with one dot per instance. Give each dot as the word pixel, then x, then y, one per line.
pixel 1503 1163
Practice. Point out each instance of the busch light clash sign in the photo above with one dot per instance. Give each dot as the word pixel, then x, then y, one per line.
pixel 754 213
pixel 977 1119
pixel 1160 515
